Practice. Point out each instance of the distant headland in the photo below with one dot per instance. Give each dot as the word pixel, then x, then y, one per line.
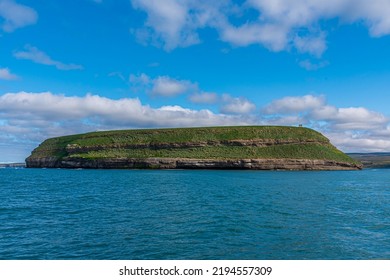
pixel 239 147
pixel 13 165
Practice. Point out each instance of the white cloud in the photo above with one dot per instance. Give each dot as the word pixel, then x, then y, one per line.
pixel 5 74
pixel 374 13
pixel 273 37
pixel 306 15
pixel 204 98
pixel 37 56
pixel 16 15
pixel 311 66
pixel 357 118
pixel 236 105
pixel 168 19
pixel 315 108
pixel 142 79
pixel 294 104
pixel 280 24
pixel 162 85
pixel 353 129
pixel 284 120
pixel 315 45
pixel 359 143
pixel 166 86
pixel 323 111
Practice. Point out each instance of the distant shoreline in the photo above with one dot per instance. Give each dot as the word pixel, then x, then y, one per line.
pixel 16 164
pixel 372 160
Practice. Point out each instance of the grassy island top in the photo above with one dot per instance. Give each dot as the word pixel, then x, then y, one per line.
pixel 202 143
pixel 183 135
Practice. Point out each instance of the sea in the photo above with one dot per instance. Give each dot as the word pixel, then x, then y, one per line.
pixel 59 214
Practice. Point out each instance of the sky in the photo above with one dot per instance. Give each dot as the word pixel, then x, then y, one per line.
pixel 70 67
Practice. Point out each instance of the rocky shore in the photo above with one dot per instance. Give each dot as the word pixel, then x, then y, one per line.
pixel 181 163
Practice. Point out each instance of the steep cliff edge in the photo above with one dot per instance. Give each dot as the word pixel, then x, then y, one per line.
pixel 246 147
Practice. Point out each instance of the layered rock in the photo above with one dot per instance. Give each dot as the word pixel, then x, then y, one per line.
pixel 182 163
pixel 75 149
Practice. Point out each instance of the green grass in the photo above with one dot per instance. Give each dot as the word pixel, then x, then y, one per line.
pixel 293 151
pixel 105 140
pixel 180 135
pixel 54 147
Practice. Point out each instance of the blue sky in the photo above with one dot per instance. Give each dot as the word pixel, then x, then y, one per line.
pixel 75 66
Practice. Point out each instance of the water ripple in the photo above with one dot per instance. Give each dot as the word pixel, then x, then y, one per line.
pixel 144 214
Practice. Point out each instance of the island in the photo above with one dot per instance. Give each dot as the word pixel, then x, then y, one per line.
pixel 237 147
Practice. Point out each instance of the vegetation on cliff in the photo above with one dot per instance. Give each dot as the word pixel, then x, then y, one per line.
pixel 219 143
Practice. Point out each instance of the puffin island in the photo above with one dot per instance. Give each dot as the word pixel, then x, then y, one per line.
pixel 239 147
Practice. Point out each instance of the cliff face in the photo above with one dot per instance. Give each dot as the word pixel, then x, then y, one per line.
pixel 259 148
pixel 177 163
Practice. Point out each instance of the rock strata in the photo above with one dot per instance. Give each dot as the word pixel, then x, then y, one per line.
pixel 75 149
pixel 180 163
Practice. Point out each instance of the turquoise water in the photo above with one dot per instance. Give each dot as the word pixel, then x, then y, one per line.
pixel 181 214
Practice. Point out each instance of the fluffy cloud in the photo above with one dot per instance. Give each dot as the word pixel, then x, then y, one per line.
pixel 315 45
pixel 236 105
pixel 353 118
pixel 128 112
pixel 167 20
pixel 166 86
pixel 294 104
pixel 315 108
pixel 311 66
pixel 359 142
pixel 174 23
pixel 37 56
pixel 140 80
pixel 162 85
pixel 16 15
pixel 5 74
pixel 375 14
pixel 351 129
pixel 280 24
pixel 204 98
pixel 272 36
